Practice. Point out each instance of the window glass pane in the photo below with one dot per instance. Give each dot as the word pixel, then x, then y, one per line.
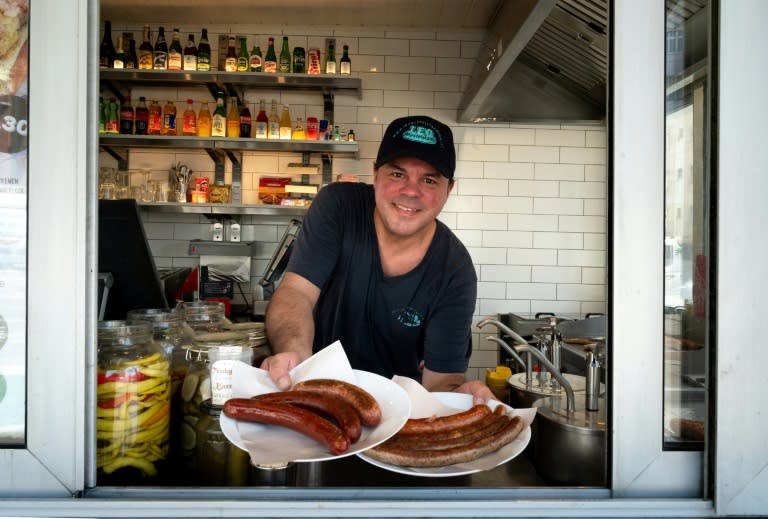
pixel 687 257
pixel 13 226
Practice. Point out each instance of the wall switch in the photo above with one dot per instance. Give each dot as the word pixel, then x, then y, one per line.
pixel 234 231
pixel 218 232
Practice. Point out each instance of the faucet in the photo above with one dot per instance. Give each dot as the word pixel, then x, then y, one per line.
pixel 519 340
pixel 555 353
pixel 508 349
pixel 570 398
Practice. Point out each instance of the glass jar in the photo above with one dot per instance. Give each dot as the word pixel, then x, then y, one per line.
pixel 256 335
pixel 223 350
pixel 203 316
pixel 217 461
pixel 133 394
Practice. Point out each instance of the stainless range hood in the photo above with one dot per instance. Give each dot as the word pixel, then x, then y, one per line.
pixel 541 60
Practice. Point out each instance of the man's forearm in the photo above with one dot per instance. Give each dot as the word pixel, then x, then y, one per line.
pixel 289 322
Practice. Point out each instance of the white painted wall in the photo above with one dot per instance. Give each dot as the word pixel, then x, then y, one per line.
pixel 530 200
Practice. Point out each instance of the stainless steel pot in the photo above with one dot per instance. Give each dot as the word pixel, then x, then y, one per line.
pixel 521 396
pixel 570 448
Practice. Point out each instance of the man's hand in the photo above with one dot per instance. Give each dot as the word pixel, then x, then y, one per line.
pixel 434 381
pixel 480 392
pixel 279 365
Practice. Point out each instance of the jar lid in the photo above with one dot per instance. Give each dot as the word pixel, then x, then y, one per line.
pixel 207 407
pixel 121 329
pixel 253 326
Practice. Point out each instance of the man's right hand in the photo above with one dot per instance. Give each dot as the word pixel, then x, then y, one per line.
pixel 278 366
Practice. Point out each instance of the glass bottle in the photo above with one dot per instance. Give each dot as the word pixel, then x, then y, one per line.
pixel 133 392
pixel 219 120
pixel 204 120
pixel 245 122
pixel 273 124
pixel 155 118
pixel 204 52
pixel 112 121
pixel 260 130
pixel 146 51
pixel 233 118
pixel 204 316
pixel 126 116
pixel 345 64
pixel 270 61
pixel 189 120
pixel 169 118
pixel 298 132
pixel 131 59
pixel 175 52
pixel 284 65
pixel 102 117
pixel 230 61
pixel 107 48
pixel 118 60
pixel 218 462
pixel 160 53
pixel 141 118
pixel 299 60
pixel 286 128
pixel 190 54
pixel 242 57
pixel 330 61
pixel 255 59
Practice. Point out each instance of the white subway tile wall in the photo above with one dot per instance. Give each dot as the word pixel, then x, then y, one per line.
pixel 529 201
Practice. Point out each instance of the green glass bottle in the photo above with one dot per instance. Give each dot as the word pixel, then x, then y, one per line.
pixel 242 57
pixel 204 52
pixel 284 65
pixel 219 123
pixel 270 61
pixel 255 59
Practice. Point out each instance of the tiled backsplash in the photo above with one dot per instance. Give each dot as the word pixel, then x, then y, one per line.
pixel 530 199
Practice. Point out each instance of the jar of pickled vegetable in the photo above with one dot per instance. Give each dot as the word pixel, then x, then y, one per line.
pixel 204 316
pixel 133 395
pixel 218 462
pixel 256 335
pixel 223 349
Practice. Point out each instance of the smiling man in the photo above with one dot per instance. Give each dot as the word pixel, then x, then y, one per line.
pixel 374 268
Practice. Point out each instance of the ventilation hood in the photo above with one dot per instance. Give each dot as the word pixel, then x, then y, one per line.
pixel 541 60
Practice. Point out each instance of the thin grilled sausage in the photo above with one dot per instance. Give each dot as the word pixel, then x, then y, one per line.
pixel 296 418
pixel 441 458
pixel 440 424
pixel 337 408
pixel 468 435
pixel 363 402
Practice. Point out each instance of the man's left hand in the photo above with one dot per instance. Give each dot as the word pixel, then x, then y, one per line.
pixel 479 391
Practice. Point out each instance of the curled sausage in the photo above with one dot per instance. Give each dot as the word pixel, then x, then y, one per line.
pixel 296 418
pixel 440 424
pixel 362 401
pixel 462 436
pixel 337 408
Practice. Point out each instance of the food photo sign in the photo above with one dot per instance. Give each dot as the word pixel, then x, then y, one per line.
pixel 14 102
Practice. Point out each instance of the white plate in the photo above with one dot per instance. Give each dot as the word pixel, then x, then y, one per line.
pixel 461 402
pixel 271 444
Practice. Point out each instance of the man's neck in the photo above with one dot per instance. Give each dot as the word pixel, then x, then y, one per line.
pixel 401 254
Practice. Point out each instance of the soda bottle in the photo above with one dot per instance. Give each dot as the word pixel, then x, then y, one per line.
pixel 298 130
pixel 141 118
pixel 245 122
pixel 242 57
pixel 330 61
pixel 345 64
pixel 233 119
pixel 204 52
pixel 155 118
pixel 204 120
pixel 255 59
pixel 107 48
pixel 118 60
pixel 175 52
pixel 189 120
pixel 299 60
pixel 169 118
pixel 230 61
pixel 260 131
pixel 273 125
pixel 112 121
pixel 285 124
pixel 219 119
pixel 270 61
pixel 146 51
pixel 284 65
pixel 131 59
pixel 126 116
pixel 160 54
pixel 190 54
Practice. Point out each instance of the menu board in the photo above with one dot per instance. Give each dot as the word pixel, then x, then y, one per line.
pixel 14 57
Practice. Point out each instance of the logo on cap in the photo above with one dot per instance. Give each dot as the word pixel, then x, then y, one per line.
pixel 420 134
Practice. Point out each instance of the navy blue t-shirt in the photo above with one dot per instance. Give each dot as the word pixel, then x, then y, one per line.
pixel 387 325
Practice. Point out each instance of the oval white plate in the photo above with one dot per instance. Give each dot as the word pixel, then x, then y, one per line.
pixel 461 402
pixel 270 444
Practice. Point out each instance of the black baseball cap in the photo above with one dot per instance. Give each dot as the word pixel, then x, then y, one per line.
pixel 420 137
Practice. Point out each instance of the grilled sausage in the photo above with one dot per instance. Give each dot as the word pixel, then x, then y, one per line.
pixel 296 418
pixel 440 424
pixel 430 458
pixel 337 408
pixel 459 437
pixel 362 401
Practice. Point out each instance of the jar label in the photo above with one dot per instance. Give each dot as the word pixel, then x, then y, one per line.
pixel 221 381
